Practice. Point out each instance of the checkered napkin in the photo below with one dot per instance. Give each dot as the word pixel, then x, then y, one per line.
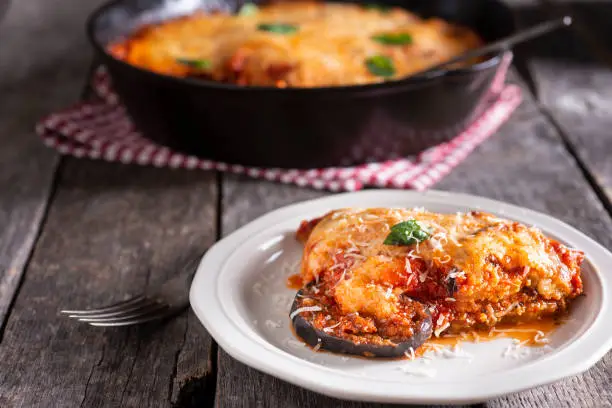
pixel 101 129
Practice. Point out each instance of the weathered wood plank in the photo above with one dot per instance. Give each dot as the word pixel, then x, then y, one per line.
pixel 112 231
pixel 525 163
pixel 573 72
pixel 25 185
pixel 31 87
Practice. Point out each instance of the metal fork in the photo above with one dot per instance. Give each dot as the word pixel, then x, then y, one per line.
pixel 167 300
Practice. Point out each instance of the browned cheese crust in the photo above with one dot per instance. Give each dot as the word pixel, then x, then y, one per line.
pixel 328 48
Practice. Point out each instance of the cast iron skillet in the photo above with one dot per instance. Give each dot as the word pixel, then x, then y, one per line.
pixel 299 128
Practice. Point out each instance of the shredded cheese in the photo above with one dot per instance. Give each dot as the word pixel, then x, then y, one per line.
pixel 305 309
pixel 455 273
pixel 410 279
pixel 440 329
pixel 408 266
pixel 410 353
pixel 411 255
pixel 418 371
pixel 330 328
pixel 341 278
pixel 444 260
pixel 456 352
pixel 388 293
pixel 540 338
pixel 257 288
pixel 515 349
pixel 272 324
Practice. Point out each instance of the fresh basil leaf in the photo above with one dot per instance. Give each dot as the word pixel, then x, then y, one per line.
pixel 383 8
pixel 380 65
pixel 393 38
pixel 248 9
pixel 278 28
pixel 406 233
pixel 201 64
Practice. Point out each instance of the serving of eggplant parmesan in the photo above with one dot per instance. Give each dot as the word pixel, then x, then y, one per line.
pixel 380 282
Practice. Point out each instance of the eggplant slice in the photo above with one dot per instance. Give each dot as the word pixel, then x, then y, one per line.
pixel 321 340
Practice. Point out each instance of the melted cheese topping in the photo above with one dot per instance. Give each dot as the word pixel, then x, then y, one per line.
pixel 474 269
pixel 330 46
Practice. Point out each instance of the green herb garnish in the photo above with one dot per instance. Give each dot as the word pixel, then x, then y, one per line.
pixel 278 28
pixel 248 9
pixel 380 65
pixel 406 233
pixel 383 8
pixel 393 38
pixel 200 64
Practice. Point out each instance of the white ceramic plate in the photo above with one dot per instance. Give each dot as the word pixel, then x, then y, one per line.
pixel 240 296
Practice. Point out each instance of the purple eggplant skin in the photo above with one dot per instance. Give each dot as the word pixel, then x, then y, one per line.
pixel 313 337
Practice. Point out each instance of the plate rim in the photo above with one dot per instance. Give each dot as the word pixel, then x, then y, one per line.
pixel 209 309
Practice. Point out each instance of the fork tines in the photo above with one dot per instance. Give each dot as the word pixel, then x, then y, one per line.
pixel 136 310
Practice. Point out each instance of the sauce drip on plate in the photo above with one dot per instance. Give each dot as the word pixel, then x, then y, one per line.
pixel 532 333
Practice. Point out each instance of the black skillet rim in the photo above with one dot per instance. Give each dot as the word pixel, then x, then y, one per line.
pixel 389 86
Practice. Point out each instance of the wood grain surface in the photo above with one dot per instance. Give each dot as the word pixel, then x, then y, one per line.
pixel 87 233
pixel 571 71
pixel 111 232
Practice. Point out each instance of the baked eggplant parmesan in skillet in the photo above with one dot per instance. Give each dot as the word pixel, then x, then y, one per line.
pixel 296 44
pixel 380 282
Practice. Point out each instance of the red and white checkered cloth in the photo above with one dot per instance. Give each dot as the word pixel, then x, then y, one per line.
pixel 102 130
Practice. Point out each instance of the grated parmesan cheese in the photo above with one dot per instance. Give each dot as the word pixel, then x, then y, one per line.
pixel 418 371
pixel 270 324
pixel 516 350
pixel 408 266
pixel 444 260
pixel 456 352
pixel 305 309
pixel 410 279
pixel 411 255
pixel 440 329
pixel 388 293
pixel 257 288
pixel 281 303
pixel 329 328
pixel 455 273
pixel 540 338
pixel 341 278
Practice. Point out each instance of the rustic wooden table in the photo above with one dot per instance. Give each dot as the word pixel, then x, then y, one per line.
pixel 80 233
